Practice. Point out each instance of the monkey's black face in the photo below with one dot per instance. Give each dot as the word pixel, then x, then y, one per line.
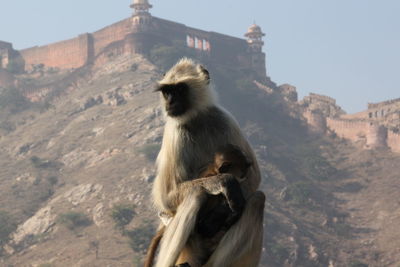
pixel 176 98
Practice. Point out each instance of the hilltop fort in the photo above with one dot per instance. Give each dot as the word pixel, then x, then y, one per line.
pixel 139 34
pixel 377 126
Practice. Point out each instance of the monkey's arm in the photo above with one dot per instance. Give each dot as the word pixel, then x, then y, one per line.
pixel 225 184
pixel 151 251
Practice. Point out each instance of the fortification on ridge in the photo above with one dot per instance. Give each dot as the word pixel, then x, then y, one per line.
pixel 376 127
pixel 139 34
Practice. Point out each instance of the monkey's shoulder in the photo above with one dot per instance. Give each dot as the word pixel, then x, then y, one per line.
pixel 213 119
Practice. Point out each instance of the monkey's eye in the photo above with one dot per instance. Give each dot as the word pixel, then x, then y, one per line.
pixel 181 87
pixel 166 94
pixel 225 167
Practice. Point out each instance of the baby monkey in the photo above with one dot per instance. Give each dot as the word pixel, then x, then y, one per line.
pixel 217 213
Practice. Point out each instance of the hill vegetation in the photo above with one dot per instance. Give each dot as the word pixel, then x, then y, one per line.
pixel 75 177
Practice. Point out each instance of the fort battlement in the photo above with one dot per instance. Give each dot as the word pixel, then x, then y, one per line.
pixel 384 103
pixel 372 126
pixel 139 34
pixel 353 130
pixel 312 97
pixel 393 141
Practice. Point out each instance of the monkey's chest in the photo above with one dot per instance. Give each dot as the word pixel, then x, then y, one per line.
pixel 197 152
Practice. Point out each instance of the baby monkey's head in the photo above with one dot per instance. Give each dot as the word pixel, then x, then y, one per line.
pixel 230 159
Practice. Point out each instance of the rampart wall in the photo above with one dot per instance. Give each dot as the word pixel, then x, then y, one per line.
pixel 359 115
pixel 393 141
pixel 72 53
pixel 376 135
pixel 316 121
pixel 384 103
pixel 127 37
pixel 115 32
pixel 318 98
pixel 352 130
pixel 231 50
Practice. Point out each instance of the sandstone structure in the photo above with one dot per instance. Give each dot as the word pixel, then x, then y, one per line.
pixel 138 35
pixel 376 127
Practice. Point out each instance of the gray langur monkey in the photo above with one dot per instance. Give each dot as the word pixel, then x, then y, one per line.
pixel 195 127
pixel 217 214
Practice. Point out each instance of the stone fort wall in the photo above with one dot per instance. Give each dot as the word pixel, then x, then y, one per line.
pixel 125 37
pixel 67 54
pixel 115 32
pixel 393 141
pixel 374 126
pixel 76 52
pixel 348 129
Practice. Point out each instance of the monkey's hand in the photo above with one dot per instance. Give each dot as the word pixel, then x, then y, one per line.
pixel 225 184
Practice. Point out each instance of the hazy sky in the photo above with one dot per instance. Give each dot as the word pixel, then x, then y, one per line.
pixel 347 49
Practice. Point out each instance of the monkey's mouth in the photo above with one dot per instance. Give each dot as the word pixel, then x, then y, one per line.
pixel 175 110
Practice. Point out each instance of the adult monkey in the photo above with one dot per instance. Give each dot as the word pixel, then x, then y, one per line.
pixel 195 127
pixel 217 214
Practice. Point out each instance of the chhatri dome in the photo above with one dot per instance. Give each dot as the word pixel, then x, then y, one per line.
pixel 141 2
pixel 254 31
pixel 254 37
pixel 141 5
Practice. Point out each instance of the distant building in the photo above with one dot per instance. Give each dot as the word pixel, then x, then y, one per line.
pixel 376 127
pixel 139 34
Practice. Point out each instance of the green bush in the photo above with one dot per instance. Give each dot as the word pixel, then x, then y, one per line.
pixel 13 100
pixel 342 229
pixel 299 192
pixel 317 167
pixel 122 215
pixel 312 164
pixel 73 220
pixel 279 252
pixel 53 180
pixel 44 164
pixel 140 238
pixel 7 226
pixel 7 126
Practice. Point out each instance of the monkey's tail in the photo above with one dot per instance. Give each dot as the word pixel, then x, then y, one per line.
pixel 179 229
pixel 151 251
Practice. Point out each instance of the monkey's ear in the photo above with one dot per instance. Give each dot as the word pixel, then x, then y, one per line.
pixel 205 71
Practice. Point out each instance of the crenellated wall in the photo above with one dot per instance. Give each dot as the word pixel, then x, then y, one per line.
pixel 110 34
pixel 352 130
pixel 393 141
pixel 376 135
pixel 68 54
pixel 370 126
pixel 129 37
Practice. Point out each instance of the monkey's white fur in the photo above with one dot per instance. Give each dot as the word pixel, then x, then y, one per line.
pixel 186 71
pixel 180 160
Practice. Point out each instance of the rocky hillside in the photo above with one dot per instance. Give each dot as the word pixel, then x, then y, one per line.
pixel 76 169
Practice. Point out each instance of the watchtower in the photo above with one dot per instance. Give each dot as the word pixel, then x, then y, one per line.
pixel 141 18
pixel 255 44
